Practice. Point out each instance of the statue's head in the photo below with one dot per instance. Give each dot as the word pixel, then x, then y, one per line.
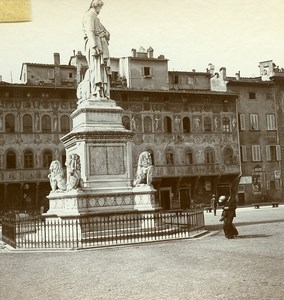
pixel 96 4
pixel 55 167
pixel 145 159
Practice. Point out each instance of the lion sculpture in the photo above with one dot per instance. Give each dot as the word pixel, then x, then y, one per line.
pixel 73 167
pixel 144 170
pixel 56 177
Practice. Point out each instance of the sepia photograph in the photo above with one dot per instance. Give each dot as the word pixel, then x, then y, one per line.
pixel 141 149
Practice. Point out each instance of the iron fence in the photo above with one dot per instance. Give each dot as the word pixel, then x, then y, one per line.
pixel 25 231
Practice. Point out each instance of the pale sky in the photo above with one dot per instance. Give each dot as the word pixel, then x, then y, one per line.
pixel 190 33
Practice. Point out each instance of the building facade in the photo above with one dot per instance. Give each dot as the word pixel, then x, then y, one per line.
pixel 203 129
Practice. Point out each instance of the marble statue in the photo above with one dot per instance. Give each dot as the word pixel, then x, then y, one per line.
pixel 144 170
pixel 97 78
pixel 56 177
pixel 73 167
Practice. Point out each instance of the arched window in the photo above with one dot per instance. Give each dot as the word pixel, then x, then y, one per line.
pixel 64 124
pixel 46 158
pixel 27 124
pixel 11 160
pixel 126 122
pixel 186 125
pixel 228 156
pixel 147 125
pixel 207 124
pixel 28 159
pixel 209 156
pixel 226 124
pixel 168 125
pixel 10 123
pixel 188 157
pixel 169 158
pixel 46 124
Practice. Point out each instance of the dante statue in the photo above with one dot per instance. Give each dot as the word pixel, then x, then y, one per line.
pixel 96 82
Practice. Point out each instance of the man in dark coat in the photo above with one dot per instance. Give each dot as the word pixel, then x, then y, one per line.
pixel 229 212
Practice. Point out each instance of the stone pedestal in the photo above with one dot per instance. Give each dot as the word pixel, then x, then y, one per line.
pixel 105 150
pixel 103 144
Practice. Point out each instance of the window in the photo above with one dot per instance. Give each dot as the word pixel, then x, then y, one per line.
pixel 167 125
pixel 226 124
pixel 46 159
pixel 253 121
pixel 126 122
pixel 70 75
pixel 9 123
pixel 270 122
pixel 273 153
pixel 228 156
pixel 186 125
pixel 268 96
pixel 244 153
pixel 11 160
pixel 242 122
pixel 169 158
pixel 46 124
pixel 189 157
pixel 252 95
pixel 191 80
pixel 147 125
pixel 147 72
pixel 209 156
pixel 256 154
pixel 50 74
pixel 175 79
pixel 207 124
pixel 64 124
pixel 27 124
pixel 28 159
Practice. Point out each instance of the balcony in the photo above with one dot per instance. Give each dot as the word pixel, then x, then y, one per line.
pixel 195 170
pixel 10 176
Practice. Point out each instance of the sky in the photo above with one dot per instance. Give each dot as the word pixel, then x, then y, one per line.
pixel 190 33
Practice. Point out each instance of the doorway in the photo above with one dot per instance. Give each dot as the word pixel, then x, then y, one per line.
pixel 165 198
pixel 184 196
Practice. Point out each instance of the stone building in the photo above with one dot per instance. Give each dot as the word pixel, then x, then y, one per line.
pixel 260 114
pixel 190 128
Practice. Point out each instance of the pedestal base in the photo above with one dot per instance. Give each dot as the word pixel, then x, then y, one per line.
pixel 86 202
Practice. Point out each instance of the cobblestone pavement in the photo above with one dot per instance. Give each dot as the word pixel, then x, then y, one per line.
pixel 209 267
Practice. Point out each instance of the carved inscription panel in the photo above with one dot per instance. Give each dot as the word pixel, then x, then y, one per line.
pixel 107 160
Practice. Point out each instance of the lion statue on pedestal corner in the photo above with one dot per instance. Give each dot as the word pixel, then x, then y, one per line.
pixel 145 169
pixel 56 177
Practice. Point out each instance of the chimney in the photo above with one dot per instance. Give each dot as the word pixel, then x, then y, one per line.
pixel 238 75
pixel 223 74
pixel 133 52
pixel 211 69
pixel 150 52
pixel 57 73
pixel 56 58
pixel 0 78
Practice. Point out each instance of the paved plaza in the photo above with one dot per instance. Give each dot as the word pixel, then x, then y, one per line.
pixel 207 267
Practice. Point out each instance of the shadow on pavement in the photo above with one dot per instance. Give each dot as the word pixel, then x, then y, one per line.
pixel 252 236
pixel 220 226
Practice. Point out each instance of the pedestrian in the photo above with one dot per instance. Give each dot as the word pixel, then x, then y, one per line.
pixel 214 203
pixel 228 214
